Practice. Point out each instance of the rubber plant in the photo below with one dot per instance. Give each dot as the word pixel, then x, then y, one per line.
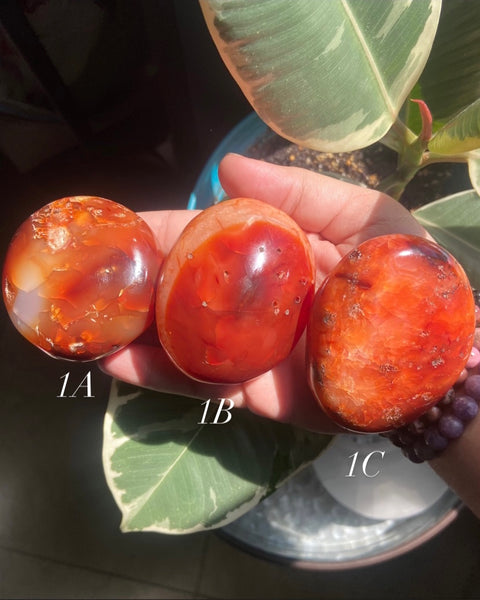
pixel 331 75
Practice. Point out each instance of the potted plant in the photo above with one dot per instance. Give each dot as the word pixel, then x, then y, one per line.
pixel 333 76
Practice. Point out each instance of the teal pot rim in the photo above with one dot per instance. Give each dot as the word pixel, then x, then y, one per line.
pixel 208 189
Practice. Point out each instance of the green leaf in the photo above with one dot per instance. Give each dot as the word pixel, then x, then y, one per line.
pixel 461 134
pixel 410 113
pixel 328 74
pixel 171 474
pixel 454 222
pixel 474 169
pixel 451 78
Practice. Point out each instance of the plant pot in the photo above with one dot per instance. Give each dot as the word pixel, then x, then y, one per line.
pixel 327 516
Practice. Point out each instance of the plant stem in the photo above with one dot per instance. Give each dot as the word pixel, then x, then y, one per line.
pixel 408 165
pixel 398 136
pixel 394 185
pixel 430 158
pixel 413 155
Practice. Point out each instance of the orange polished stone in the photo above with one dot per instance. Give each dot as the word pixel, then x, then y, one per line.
pixel 390 331
pixel 235 291
pixel 79 277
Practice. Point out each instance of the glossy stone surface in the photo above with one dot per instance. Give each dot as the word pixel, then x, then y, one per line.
pixel 79 277
pixel 391 329
pixel 235 291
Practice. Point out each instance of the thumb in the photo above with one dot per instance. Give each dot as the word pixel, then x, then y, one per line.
pixel 340 211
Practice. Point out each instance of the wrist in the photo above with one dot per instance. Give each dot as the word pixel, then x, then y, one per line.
pixel 458 466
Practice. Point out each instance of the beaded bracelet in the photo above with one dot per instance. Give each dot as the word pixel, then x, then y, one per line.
pixel 427 437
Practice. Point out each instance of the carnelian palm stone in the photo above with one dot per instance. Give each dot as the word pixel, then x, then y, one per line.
pixel 235 291
pixel 390 331
pixel 79 277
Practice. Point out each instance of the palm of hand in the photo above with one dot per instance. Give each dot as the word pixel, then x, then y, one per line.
pixel 336 216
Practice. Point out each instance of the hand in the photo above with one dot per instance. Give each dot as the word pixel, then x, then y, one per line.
pixel 337 216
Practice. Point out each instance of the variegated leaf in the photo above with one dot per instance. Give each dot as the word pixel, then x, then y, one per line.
pixel 474 169
pixel 327 74
pixel 454 222
pixel 461 134
pixel 171 473
pixel 451 78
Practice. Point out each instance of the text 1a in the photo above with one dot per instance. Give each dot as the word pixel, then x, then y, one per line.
pixel 84 388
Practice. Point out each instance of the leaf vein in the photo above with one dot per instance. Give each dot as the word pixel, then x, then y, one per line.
pixel 138 504
pixel 370 59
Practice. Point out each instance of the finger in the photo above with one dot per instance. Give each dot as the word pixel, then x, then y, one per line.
pixel 284 395
pixel 148 366
pixel 167 225
pixel 340 211
pixel 275 395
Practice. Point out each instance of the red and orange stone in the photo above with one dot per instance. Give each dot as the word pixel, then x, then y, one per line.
pixel 390 331
pixel 79 277
pixel 235 291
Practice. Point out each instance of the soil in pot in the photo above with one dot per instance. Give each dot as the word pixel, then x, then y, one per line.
pixel 367 166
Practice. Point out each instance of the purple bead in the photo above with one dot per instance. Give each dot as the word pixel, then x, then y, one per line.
pixel 474 359
pixel 472 387
pixel 476 338
pixel 394 438
pixel 409 452
pixel 416 427
pixel 465 408
pixel 423 451
pixel 433 414
pixel 450 426
pixel 448 398
pixel 405 436
pixel 435 439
